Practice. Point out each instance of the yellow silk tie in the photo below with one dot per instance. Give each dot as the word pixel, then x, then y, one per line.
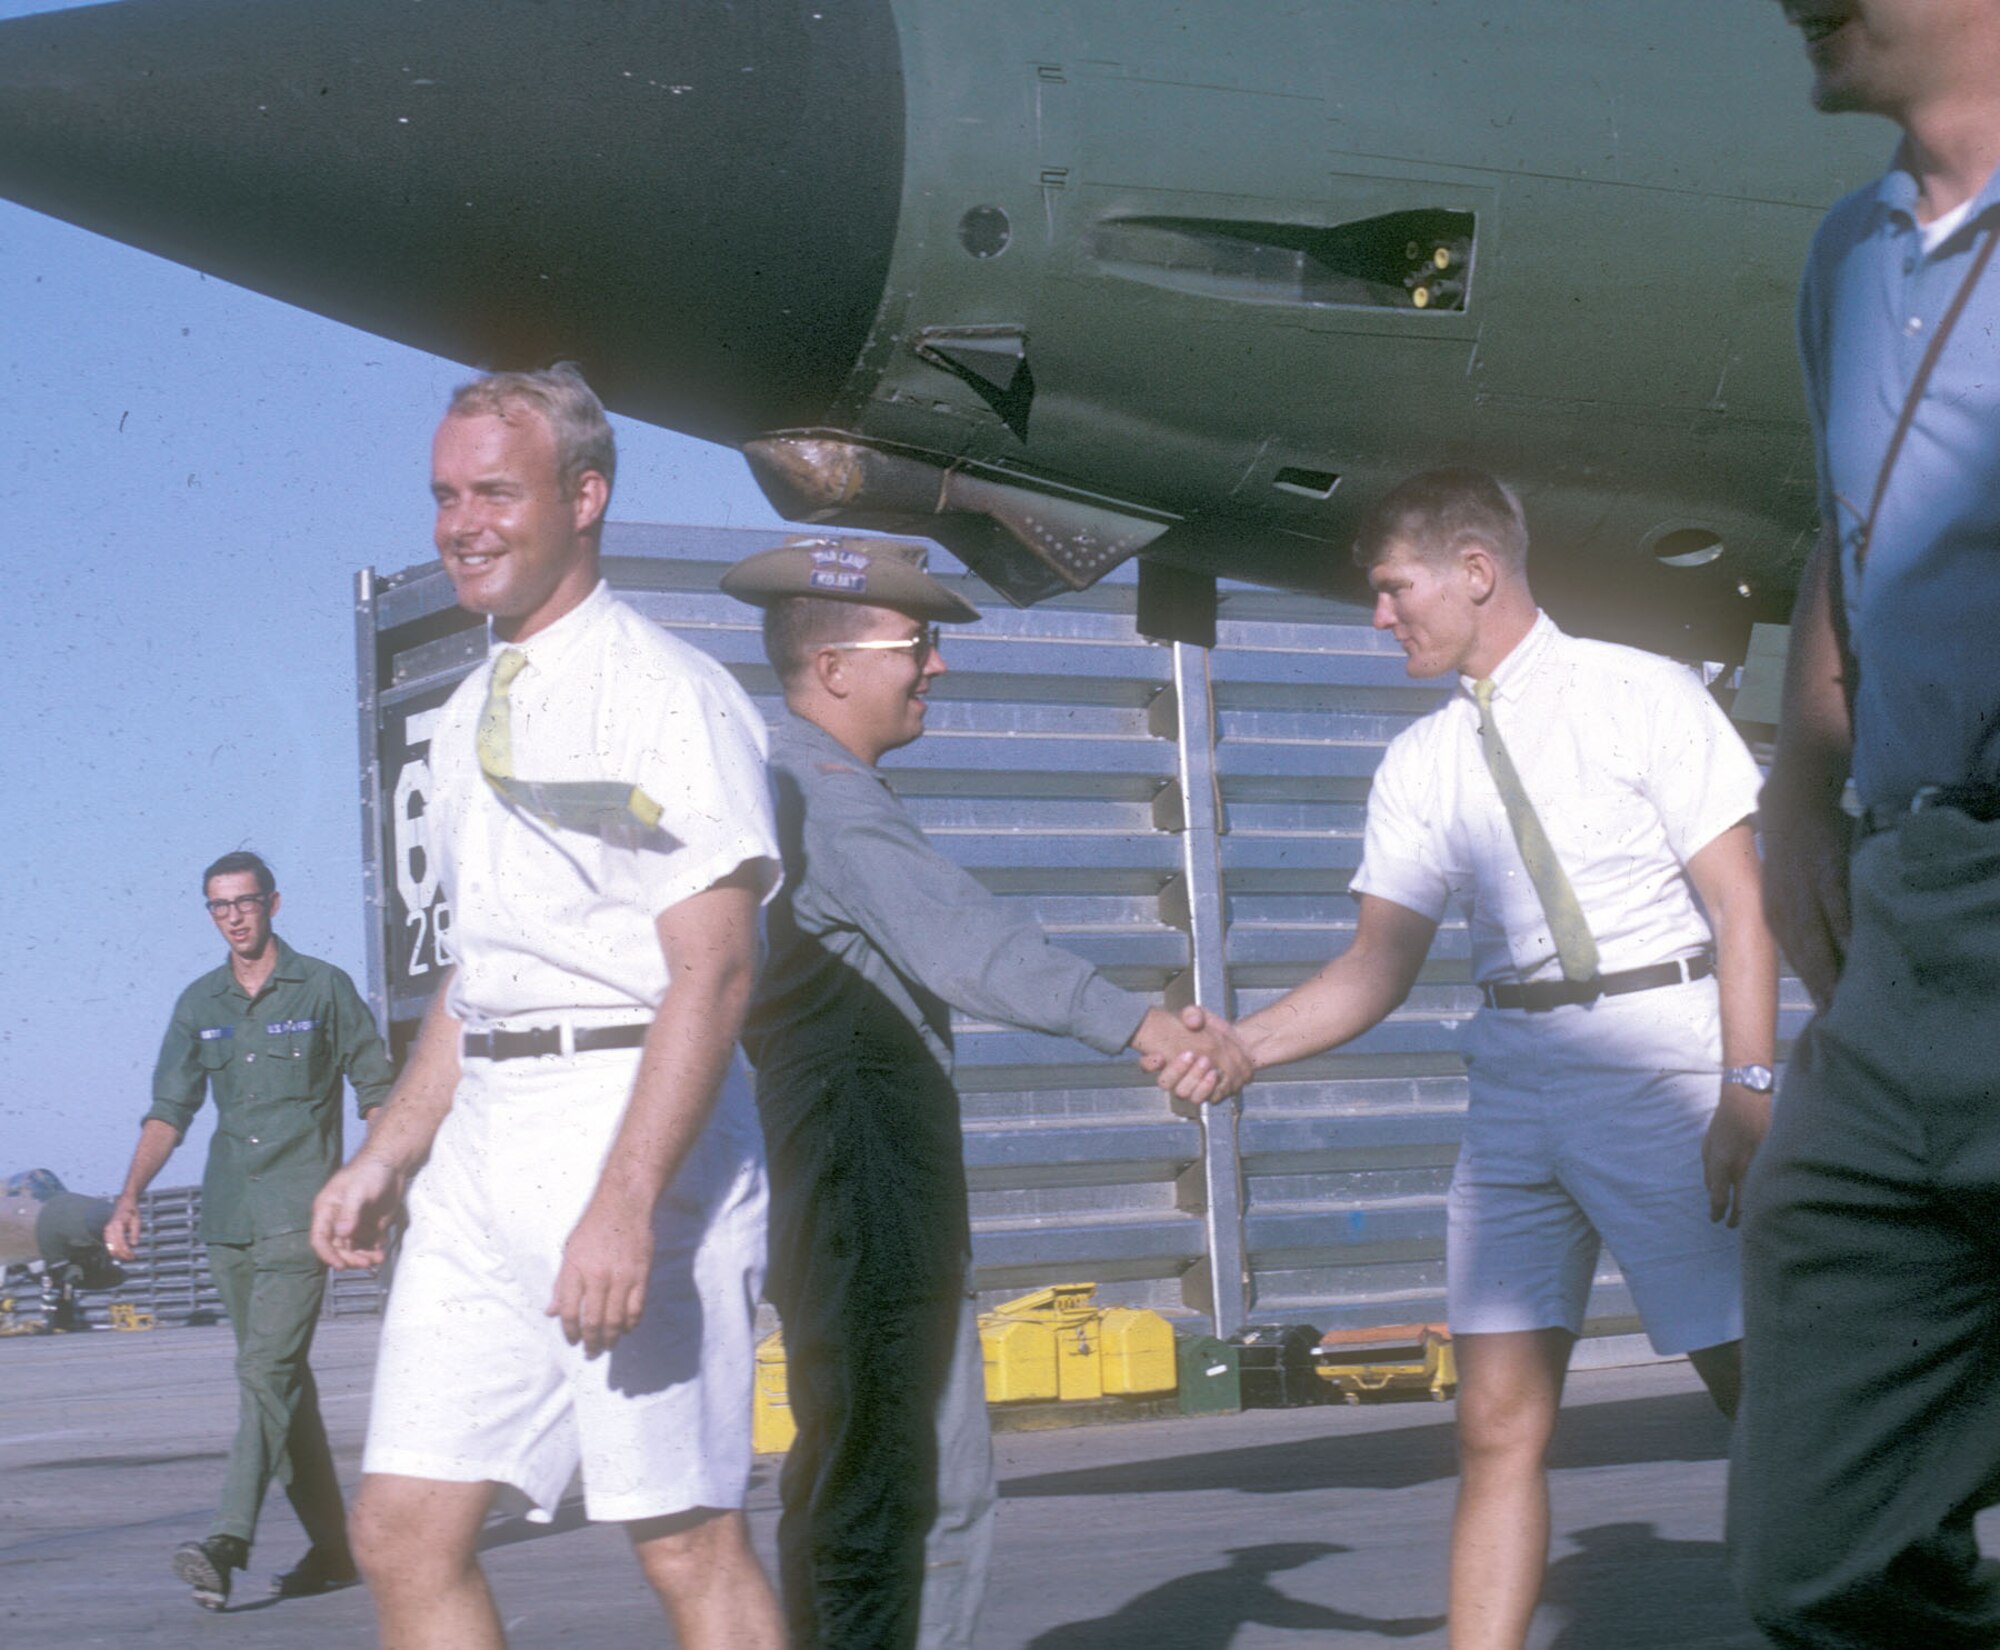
pixel 578 804
pixel 1575 945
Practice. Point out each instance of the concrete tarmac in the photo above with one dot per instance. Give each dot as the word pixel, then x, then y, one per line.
pixel 1242 1532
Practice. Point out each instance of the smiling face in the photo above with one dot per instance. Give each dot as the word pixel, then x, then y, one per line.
pixel 242 912
pixel 1432 608
pixel 887 687
pixel 1886 57
pixel 514 546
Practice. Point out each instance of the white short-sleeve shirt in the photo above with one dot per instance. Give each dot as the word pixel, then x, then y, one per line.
pixel 1632 768
pixel 550 920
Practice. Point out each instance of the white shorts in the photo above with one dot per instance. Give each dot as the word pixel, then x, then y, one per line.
pixel 474 1381
pixel 1588 1122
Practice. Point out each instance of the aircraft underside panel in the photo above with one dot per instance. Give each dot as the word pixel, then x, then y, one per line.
pixel 695 200
pixel 1229 277
pixel 1055 282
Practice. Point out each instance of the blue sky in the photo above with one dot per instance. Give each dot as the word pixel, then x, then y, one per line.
pixel 190 475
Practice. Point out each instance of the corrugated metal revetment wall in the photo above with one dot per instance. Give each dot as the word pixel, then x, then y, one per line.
pixel 1187 820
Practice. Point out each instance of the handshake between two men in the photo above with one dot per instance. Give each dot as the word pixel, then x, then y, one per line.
pixel 1195 1055
pixel 1201 1057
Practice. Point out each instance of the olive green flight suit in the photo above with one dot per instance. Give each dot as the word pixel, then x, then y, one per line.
pixel 274 1064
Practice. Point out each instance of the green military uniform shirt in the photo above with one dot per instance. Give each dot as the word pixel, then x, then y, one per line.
pixel 275 1064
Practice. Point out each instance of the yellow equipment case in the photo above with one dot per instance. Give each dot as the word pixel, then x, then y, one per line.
pixel 1397 1359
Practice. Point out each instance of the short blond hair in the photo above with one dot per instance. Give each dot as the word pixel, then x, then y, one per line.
pixel 567 404
pixel 1440 513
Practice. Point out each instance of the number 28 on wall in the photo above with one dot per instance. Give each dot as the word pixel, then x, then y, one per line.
pixel 429 915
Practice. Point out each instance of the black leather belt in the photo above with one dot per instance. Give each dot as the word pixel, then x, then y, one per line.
pixel 1539 996
pixel 521 1045
pixel 1981 802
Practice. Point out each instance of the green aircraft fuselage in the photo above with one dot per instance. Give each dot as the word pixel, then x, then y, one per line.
pixel 1057 281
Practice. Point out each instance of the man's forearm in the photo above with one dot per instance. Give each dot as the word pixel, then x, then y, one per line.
pixel 1746 977
pixel 1358 989
pixel 1725 874
pixel 157 1140
pixel 709 942
pixel 686 1056
pixel 401 1129
pixel 1815 732
pixel 1333 1007
pixel 1806 838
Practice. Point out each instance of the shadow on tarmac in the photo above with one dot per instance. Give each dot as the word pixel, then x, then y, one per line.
pixel 509 1525
pixel 1627 1586
pixel 93 1462
pixel 1204 1611
pixel 518 1527
pixel 1681 1426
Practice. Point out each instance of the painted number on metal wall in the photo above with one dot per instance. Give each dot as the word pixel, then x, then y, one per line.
pixel 426 916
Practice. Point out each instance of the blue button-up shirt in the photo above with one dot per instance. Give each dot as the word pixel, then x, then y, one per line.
pixel 1924 609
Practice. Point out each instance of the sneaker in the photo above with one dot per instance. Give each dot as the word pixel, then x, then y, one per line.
pixel 205 1566
pixel 322 1570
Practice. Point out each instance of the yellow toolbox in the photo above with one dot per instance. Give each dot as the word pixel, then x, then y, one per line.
pixel 1020 1358
pixel 772 1428
pixel 1404 1358
pixel 1138 1353
pixel 1056 1344
pixel 1059 1344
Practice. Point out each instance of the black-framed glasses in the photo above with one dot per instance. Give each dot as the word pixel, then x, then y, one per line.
pixel 242 905
pixel 920 646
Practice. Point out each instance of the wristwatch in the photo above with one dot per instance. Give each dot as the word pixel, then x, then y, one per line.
pixel 1757 1079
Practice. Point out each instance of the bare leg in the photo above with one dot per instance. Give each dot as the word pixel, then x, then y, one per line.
pixel 417 1542
pixel 701 1565
pixel 1510 1387
pixel 1721 1371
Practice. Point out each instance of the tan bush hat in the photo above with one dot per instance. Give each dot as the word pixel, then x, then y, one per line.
pixel 873 572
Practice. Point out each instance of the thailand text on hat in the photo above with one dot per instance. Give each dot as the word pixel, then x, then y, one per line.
pixel 873 572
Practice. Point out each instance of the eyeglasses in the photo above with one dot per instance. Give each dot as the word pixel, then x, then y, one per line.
pixel 921 646
pixel 242 905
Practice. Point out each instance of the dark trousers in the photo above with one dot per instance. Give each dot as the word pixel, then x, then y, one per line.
pixel 272 1290
pixel 860 1483
pixel 1870 1430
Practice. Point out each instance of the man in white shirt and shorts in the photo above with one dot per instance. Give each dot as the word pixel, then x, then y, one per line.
pixel 586 1240
pixel 1584 804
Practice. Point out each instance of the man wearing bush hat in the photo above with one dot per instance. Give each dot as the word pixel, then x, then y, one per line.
pixel 888 1491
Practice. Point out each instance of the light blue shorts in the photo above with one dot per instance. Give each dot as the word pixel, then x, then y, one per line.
pixel 1586 1123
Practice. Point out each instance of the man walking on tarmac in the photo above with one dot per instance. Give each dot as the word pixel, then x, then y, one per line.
pixel 888 1489
pixel 579 1283
pixel 1588 807
pixel 1867 1442
pixel 271 1033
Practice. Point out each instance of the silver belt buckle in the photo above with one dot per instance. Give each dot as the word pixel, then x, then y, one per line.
pixel 1925 796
